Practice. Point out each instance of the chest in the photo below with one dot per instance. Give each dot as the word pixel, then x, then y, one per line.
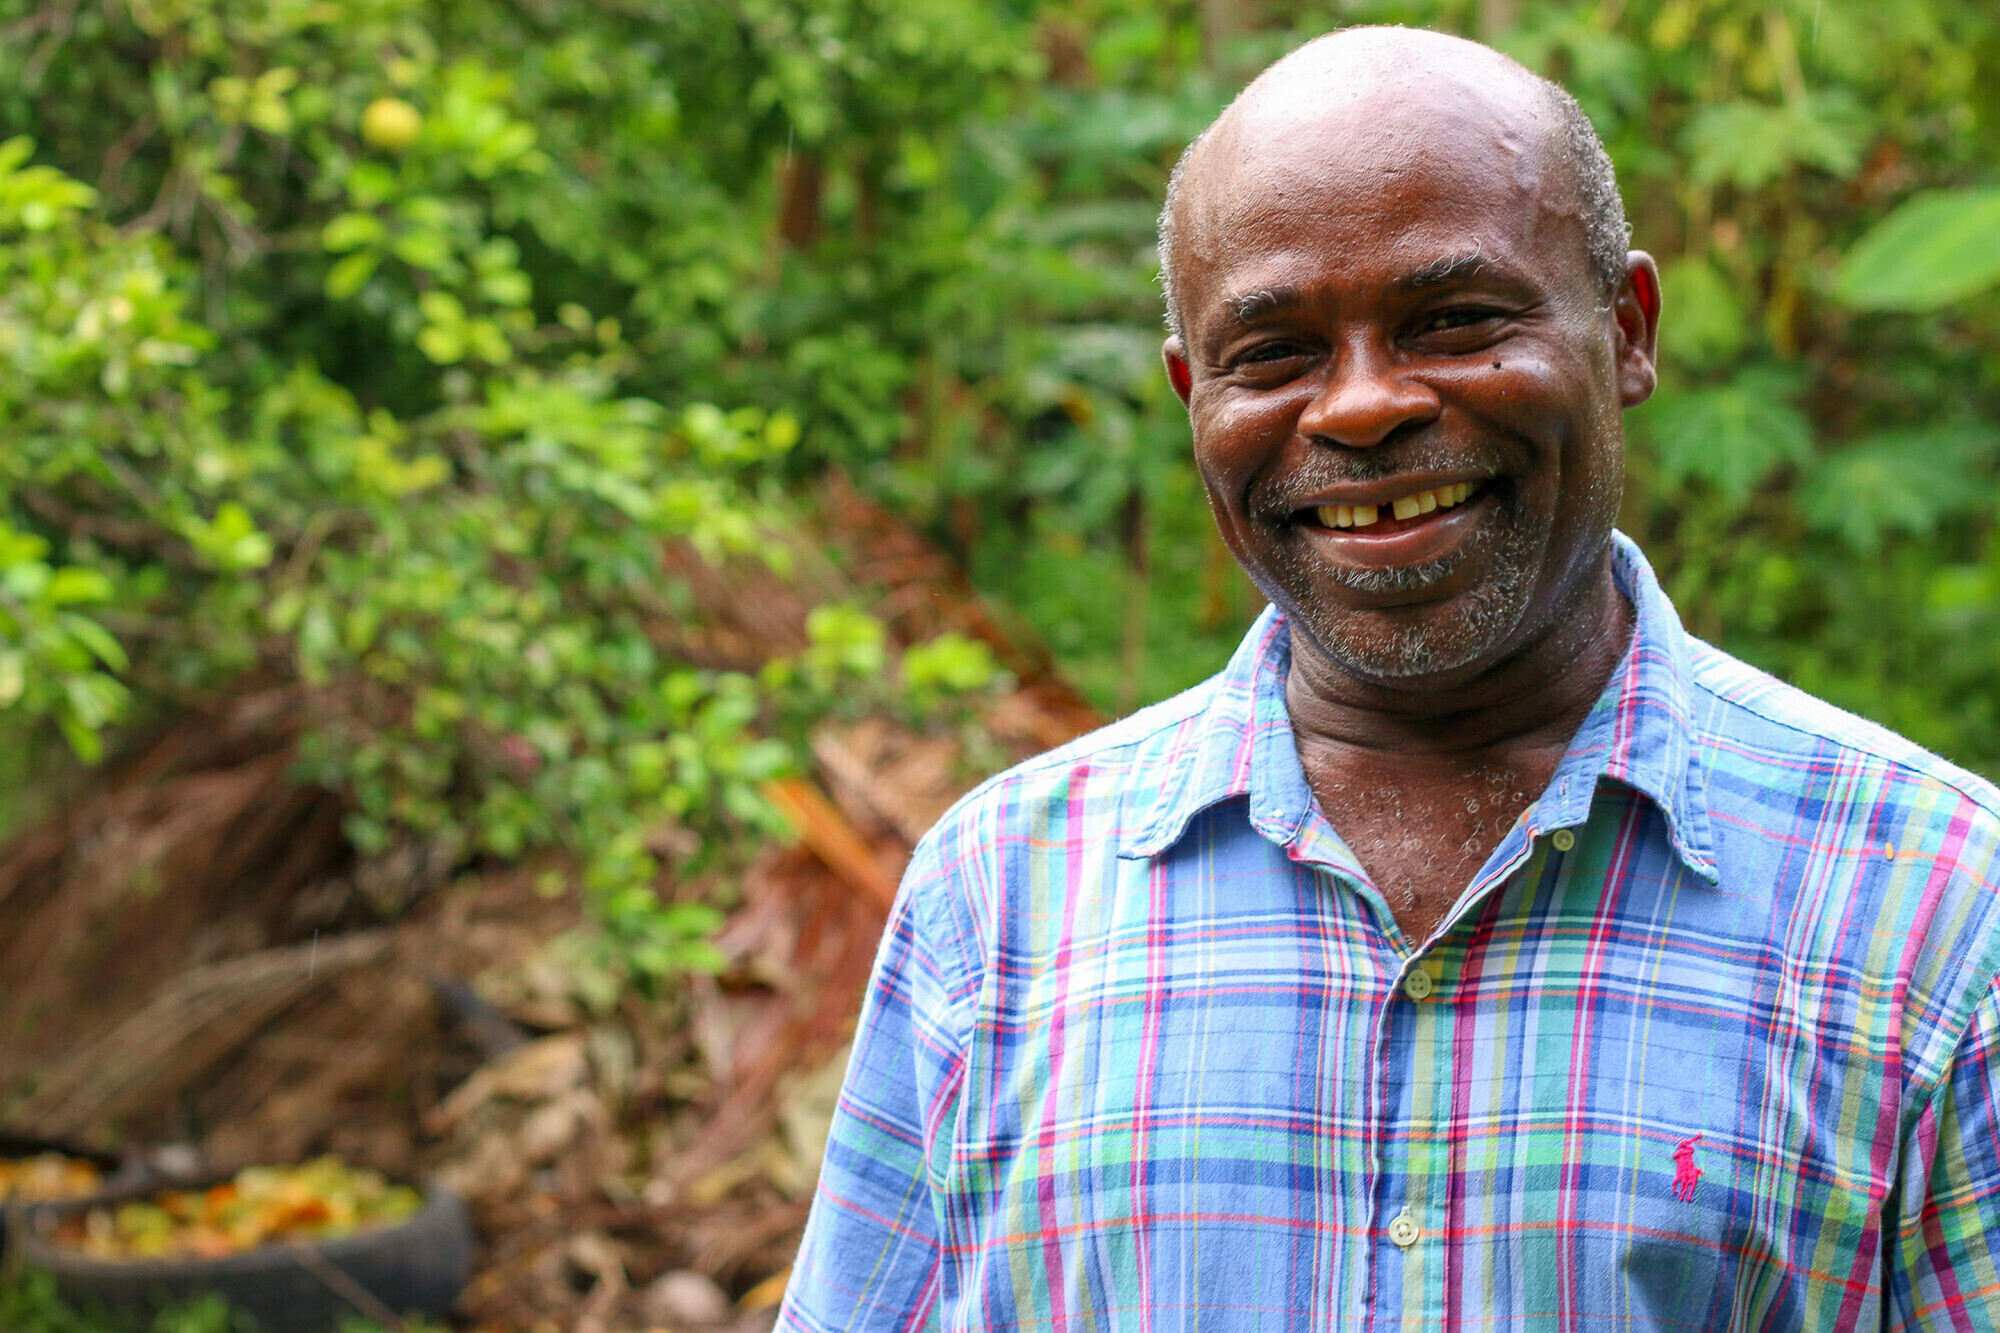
pixel 1214 1074
pixel 1423 838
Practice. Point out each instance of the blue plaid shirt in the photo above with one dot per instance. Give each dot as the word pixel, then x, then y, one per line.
pixel 1709 1042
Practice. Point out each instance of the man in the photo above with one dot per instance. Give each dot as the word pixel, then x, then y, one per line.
pixel 1478 950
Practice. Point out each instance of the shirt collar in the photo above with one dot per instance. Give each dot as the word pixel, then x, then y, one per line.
pixel 1639 733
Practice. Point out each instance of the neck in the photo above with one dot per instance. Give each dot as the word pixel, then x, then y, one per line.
pixel 1532 699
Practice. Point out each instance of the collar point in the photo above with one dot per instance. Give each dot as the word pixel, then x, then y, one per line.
pixel 1143 844
pixel 1701 861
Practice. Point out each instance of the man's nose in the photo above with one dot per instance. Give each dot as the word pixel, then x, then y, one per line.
pixel 1366 398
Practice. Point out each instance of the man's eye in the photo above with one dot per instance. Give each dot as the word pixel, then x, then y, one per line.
pixel 1461 317
pixel 1264 352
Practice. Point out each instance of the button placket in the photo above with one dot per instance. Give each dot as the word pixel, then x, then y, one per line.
pixel 1413 1190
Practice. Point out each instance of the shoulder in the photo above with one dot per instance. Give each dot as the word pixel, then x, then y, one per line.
pixel 1877 860
pixel 1761 718
pixel 1059 812
pixel 1126 759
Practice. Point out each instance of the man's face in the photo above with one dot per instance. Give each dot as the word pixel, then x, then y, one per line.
pixel 1389 308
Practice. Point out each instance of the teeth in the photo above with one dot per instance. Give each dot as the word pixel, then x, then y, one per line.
pixel 1409 506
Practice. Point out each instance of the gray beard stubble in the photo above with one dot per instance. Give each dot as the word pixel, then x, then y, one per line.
pixel 1476 621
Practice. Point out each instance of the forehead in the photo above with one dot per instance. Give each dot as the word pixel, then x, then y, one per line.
pixel 1356 188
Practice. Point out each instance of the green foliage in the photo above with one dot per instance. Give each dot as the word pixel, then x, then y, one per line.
pixel 1751 144
pixel 1937 247
pixel 843 641
pixel 1898 483
pixel 1730 436
pixel 56 661
pixel 1710 322
pixel 472 595
pixel 1816 487
pixel 1815 484
pixel 29 1303
pixel 334 409
pixel 949 664
pixel 379 347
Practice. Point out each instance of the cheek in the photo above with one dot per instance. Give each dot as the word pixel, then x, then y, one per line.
pixel 1524 391
pixel 1542 399
pixel 1577 435
pixel 1239 436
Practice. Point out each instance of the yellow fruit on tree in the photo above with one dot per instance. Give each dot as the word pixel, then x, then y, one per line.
pixel 390 123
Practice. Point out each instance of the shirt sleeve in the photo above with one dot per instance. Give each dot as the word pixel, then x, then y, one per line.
pixel 872 1254
pixel 1943 1258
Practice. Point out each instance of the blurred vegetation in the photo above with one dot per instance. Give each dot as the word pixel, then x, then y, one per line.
pixel 376 346
pixel 29 1303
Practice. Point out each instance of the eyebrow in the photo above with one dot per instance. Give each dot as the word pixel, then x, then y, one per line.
pixel 1449 268
pixel 1252 306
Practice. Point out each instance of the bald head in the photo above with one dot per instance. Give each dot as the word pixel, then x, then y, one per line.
pixel 1379 82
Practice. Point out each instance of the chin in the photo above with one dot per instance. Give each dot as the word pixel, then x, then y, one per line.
pixel 1459 635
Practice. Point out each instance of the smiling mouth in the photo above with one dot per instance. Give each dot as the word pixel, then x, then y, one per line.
pixel 1401 513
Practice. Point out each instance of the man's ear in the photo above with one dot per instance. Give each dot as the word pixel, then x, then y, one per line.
pixel 1178 373
pixel 1636 311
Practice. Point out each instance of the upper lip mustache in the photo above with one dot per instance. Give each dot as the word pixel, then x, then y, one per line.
pixel 1383 492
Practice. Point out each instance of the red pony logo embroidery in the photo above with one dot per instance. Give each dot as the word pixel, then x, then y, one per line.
pixel 1686 1174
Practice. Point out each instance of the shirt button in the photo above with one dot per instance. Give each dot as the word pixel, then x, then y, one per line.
pixel 1404 1230
pixel 1417 985
pixel 1564 840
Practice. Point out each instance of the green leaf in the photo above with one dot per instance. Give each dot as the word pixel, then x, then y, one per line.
pixel 271 115
pixel 232 541
pixel 369 836
pixel 427 250
pixel 370 183
pixel 509 287
pixel 1734 435
pixel 13 676
pixel 94 699
pixel 1702 321
pixel 351 274
pixel 1896 482
pixel 21 548
pixel 445 346
pixel 98 640
pixel 87 744
pixel 951 662
pixel 782 432
pixel 487 342
pixel 74 584
pixel 318 641
pixel 441 308
pixel 1937 247
pixel 350 231
pixel 1750 144
pixel 26 580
